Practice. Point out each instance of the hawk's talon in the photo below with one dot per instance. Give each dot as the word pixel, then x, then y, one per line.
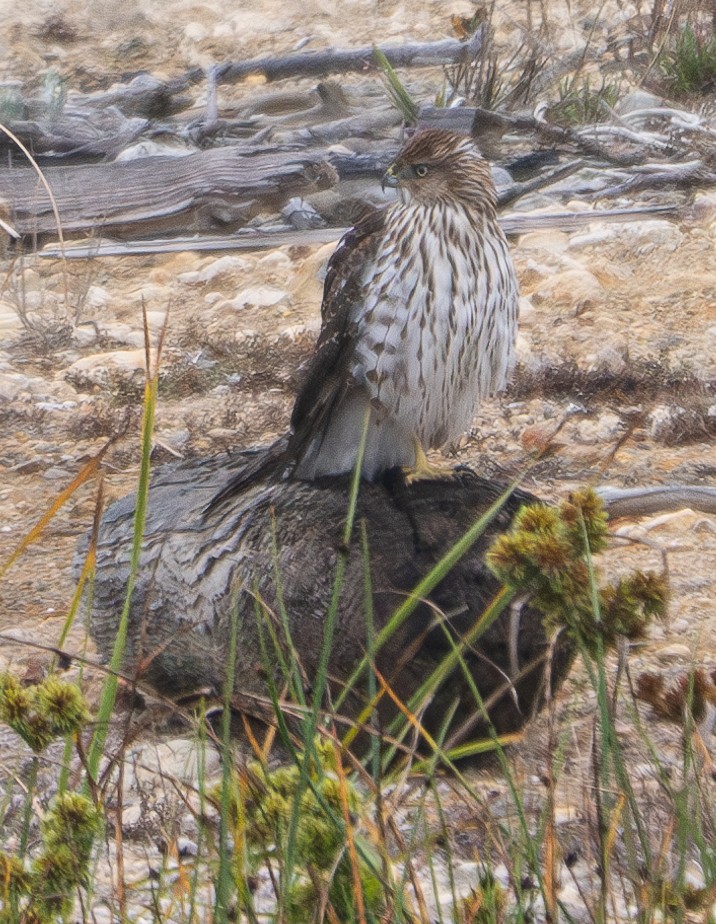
pixel 424 470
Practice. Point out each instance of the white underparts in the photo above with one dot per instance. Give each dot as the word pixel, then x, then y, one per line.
pixel 437 326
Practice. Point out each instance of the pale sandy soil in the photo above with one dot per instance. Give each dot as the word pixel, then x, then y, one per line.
pixel 614 297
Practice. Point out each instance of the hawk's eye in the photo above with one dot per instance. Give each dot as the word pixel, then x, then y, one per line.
pixel 421 170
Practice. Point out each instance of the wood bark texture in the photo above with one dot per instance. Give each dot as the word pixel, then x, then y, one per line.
pixel 218 189
pixel 197 569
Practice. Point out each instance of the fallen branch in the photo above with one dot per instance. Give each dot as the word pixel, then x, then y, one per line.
pixel 664 176
pixel 209 190
pixel 253 239
pixel 343 61
pixel 646 501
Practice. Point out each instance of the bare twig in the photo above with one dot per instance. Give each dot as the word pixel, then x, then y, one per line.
pixel 645 501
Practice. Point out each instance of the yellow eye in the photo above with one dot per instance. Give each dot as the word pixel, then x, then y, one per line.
pixel 421 170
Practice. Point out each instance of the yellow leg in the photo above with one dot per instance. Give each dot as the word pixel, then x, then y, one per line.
pixel 423 470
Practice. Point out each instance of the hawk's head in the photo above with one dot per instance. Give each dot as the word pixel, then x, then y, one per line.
pixel 441 166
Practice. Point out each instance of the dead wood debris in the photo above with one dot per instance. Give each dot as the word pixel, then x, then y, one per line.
pixel 646 151
pixel 342 61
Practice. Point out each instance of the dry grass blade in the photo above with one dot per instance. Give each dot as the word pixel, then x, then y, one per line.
pixel 350 839
pixel 8 229
pixel 87 471
pixel 55 211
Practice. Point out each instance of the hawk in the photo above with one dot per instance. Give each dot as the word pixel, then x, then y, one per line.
pixel 419 320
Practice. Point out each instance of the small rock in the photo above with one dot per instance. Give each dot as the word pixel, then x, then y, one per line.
pixel 551 241
pixel 30 467
pixel 195 31
pixel 672 652
pixel 694 875
pixel 10 322
pixel 665 423
pixel 595 237
pixel 219 267
pixel 102 368
pixel 55 473
pixel 638 99
pixel 220 434
pixel 276 259
pixel 176 438
pixel 186 847
pixel 101 915
pixel 258 297
pixel 644 236
pixel 150 148
pixel 600 431
pixel 301 214
pixel 527 313
pixel 131 816
pixel 85 335
pixel 56 405
pixel 13 384
pixel 97 297
pixel 680 626
pixel 613 357
pixel 577 288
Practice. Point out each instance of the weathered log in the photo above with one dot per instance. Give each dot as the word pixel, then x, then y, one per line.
pixel 144 95
pixel 89 135
pixel 200 568
pixel 218 189
pixel 270 238
pixel 342 61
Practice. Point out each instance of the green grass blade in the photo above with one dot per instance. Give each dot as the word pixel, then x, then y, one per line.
pixel 425 586
pixel 109 689
pixel 321 674
pixel 224 880
pixel 400 97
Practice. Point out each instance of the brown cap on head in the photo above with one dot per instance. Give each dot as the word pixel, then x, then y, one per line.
pixel 436 165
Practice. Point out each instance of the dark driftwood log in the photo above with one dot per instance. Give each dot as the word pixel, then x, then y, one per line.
pixel 195 571
pixel 211 190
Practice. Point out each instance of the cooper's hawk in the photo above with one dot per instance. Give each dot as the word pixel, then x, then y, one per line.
pixel 418 321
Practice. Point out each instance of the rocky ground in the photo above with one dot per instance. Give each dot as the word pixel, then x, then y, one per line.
pixel 616 368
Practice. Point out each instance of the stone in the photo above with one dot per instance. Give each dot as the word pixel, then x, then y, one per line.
pixel 664 423
pixel 276 259
pixel 258 297
pixel 102 368
pixel 578 288
pixel 674 652
pixel 151 148
pixel 636 100
pixel 211 271
pixel 177 759
pixel 602 430
pixel 644 236
pixel 97 297
pixel 551 241
pixel 527 312
pixel 195 31
pixel 13 385
pixel 10 321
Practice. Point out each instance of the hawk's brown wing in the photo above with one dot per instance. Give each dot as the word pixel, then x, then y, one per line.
pixel 327 374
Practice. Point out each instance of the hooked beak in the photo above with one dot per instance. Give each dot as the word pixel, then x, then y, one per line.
pixel 390 178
